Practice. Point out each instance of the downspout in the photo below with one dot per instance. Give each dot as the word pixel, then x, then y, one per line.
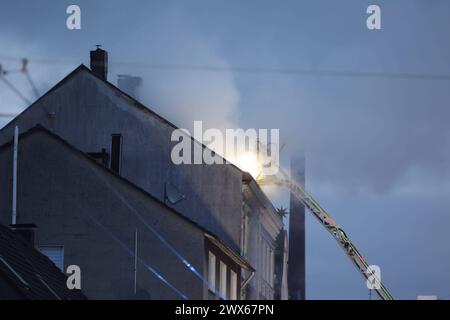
pixel 242 229
pixel 135 260
pixel 14 191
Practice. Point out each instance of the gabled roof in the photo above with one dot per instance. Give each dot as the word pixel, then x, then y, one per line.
pixel 30 272
pixel 246 177
pixel 227 250
pixel 135 103
pixel 83 68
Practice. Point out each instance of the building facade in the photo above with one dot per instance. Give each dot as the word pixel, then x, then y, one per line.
pixel 94 116
pixel 262 226
pixel 128 138
pixel 127 243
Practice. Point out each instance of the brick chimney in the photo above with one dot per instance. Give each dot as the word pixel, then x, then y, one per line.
pixel 99 63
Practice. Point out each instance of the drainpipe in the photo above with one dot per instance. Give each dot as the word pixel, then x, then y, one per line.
pixel 14 195
pixel 242 230
pixel 135 259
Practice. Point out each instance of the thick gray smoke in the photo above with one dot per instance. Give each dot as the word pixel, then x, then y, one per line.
pixel 178 94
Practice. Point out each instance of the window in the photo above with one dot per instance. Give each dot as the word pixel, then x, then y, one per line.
pixel 267 259
pixel 116 152
pixel 212 271
pixel 233 285
pixel 55 254
pixel 223 280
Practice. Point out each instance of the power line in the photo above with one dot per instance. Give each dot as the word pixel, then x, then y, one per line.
pixel 6 115
pixel 24 70
pixel 292 71
pixel 14 89
pixel 262 70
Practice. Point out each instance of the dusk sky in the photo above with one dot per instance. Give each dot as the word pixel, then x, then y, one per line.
pixel 377 147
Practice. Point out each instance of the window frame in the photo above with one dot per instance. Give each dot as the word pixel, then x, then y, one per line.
pixel 41 247
pixel 233 285
pixel 212 271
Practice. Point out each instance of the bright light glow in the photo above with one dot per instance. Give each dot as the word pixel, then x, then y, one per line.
pixel 249 162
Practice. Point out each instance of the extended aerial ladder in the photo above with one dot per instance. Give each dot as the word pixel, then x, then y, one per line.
pixel 283 179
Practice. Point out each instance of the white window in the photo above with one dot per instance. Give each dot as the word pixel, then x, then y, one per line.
pixel 233 285
pixel 55 254
pixel 223 280
pixel 267 259
pixel 212 271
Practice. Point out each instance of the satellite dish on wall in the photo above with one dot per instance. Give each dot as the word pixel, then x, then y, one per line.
pixel 172 194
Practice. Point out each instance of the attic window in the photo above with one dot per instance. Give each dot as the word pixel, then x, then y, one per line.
pixel 116 152
pixel 55 254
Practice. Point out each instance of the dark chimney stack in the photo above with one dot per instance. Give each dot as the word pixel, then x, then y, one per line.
pixel 296 270
pixel 99 62
pixel 25 230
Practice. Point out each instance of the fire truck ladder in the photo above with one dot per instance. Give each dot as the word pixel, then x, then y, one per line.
pixel 283 179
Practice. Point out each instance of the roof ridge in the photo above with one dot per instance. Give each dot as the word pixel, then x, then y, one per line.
pixel 136 103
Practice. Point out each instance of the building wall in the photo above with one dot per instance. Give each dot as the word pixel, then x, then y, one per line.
pixel 85 111
pixel 65 194
pixel 263 228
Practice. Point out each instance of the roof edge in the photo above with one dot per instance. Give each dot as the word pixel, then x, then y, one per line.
pixel 41 128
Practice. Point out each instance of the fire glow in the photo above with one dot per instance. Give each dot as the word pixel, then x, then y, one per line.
pixel 238 146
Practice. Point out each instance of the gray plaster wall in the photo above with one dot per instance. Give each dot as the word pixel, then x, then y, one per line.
pixel 86 111
pixel 66 195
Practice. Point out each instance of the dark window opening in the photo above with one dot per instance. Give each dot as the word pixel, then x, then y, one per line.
pixel 116 152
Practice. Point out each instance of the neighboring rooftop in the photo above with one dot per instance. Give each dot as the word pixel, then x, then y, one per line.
pixel 29 274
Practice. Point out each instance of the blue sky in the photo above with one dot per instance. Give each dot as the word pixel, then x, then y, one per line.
pixel 377 148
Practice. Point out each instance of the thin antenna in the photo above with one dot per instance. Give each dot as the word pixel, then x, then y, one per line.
pixel 14 198
pixel 24 70
pixel 135 259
